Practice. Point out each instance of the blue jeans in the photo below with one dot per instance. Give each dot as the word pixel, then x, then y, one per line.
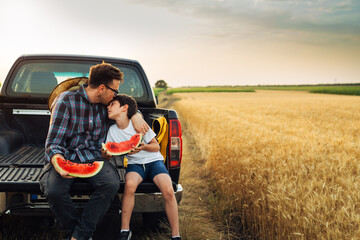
pixel 105 187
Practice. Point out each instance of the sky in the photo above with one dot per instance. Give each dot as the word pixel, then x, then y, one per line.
pixel 195 42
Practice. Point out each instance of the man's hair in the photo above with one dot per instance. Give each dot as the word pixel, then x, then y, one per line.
pixel 104 73
pixel 130 101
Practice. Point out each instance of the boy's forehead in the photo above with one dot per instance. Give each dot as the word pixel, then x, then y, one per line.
pixel 111 102
pixel 116 101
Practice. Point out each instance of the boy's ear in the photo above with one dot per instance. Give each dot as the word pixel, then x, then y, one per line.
pixel 126 107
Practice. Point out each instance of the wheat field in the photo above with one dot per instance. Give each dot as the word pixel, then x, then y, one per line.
pixel 285 163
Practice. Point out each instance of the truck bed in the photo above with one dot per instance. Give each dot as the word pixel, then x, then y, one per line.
pixel 20 172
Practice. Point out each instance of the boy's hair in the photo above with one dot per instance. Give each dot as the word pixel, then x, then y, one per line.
pixel 104 73
pixel 130 101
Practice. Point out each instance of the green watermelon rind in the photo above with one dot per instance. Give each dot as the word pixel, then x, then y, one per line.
pixel 85 175
pixel 124 152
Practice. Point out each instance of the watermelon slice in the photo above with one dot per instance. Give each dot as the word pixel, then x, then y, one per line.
pixel 81 170
pixel 122 148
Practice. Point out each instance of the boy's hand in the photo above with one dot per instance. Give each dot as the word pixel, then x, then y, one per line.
pixel 137 149
pixel 105 154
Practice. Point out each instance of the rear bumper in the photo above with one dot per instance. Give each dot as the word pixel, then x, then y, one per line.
pixel 153 202
pixel 26 205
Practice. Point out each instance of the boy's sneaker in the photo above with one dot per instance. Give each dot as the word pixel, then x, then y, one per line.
pixel 175 238
pixel 125 235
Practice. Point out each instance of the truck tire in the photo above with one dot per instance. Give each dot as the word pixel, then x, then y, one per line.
pixel 152 221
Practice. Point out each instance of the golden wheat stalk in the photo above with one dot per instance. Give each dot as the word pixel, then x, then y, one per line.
pixel 287 163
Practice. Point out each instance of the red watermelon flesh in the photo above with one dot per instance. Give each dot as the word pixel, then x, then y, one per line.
pixel 122 148
pixel 81 170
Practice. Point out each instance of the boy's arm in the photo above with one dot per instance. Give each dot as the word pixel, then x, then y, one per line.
pixel 152 146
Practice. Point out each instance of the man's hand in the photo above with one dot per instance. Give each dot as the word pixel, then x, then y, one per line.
pixel 137 149
pixel 139 124
pixel 62 173
pixel 66 175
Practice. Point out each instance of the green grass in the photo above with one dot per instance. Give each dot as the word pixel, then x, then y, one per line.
pixel 157 90
pixel 209 89
pixel 287 88
pixel 354 90
pixel 328 89
pixel 350 89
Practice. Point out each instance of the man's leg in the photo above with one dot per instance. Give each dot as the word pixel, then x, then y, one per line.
pixel 163 181
pixel 56 190
pixel 106 185
pixel 132 181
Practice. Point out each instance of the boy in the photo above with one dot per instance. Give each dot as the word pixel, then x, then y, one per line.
pixel 143 161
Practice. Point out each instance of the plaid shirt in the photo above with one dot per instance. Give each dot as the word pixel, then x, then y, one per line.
pixel 77 127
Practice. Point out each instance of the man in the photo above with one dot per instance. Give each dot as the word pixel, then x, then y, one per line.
pixel 77 128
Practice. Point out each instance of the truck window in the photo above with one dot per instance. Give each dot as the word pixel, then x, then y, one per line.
pixel 38 78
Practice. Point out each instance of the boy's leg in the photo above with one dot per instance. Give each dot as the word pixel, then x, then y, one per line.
pixel 132 181
pixel 105 187
pixel 163 181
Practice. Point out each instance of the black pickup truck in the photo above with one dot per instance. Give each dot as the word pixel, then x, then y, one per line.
pixel 24 123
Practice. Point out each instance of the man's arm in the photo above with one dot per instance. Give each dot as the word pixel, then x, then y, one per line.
pixel 139 124
pixel 56 135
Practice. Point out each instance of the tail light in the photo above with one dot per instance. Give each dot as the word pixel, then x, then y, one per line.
pixel 175 146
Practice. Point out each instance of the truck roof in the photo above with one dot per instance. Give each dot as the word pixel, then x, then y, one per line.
pixel 77 57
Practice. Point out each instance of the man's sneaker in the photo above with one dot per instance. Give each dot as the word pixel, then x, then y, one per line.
pixel 125 235
pixel 175 238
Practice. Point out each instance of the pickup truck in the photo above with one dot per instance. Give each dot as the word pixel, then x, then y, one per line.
pixel 24 123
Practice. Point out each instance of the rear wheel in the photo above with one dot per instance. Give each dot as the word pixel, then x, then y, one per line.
pixel 154 220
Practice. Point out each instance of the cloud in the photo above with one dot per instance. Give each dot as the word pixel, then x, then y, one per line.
pixel 341 6
pixel 233 18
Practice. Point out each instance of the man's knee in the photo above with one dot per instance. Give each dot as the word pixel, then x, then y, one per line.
pixel 55 192
pixel 114 186
pixel 109 187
